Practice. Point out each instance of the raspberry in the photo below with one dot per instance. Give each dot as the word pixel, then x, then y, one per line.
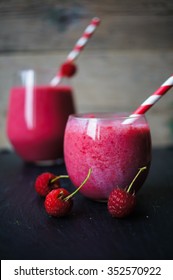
pixel 43 184
pixel 46 182
pixel 121 203
pixel 55 203
pixel 68 69
pixel 59 202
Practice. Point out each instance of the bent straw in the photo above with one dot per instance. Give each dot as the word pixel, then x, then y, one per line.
pixel 79 46
pixel 150 101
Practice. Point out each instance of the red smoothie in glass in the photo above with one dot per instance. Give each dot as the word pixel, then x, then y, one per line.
pixel 36 121
pixel 113 150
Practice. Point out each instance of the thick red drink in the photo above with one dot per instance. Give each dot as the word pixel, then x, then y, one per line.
pixel 113 150
pixel 36 121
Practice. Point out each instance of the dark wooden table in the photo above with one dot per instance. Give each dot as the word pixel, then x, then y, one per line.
pixel 89 232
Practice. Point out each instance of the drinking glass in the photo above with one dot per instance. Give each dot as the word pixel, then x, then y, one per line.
pixel 36 117
pixel 113 150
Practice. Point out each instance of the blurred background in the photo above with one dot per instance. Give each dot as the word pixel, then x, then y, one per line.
pixel 127 59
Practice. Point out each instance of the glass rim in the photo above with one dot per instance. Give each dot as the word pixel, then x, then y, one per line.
pixel 105 116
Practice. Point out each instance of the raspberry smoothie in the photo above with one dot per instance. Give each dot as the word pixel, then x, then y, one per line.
pixel 36 121
pixel 113 150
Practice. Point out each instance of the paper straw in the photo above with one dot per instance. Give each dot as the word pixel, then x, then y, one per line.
pixel 150 101
pixel 79 46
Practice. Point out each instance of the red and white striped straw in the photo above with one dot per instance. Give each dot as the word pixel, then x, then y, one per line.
pixel 79 46
pixel 150 101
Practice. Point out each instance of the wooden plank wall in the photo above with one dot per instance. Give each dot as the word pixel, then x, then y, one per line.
pixel 130 55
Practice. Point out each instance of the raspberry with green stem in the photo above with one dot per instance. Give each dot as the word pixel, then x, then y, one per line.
pixel 46 182
pixel 59 202
pixel 121 202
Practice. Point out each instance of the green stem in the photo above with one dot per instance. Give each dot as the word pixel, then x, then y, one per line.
pixel 59 177
pixel 140 170
pixel 83 183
